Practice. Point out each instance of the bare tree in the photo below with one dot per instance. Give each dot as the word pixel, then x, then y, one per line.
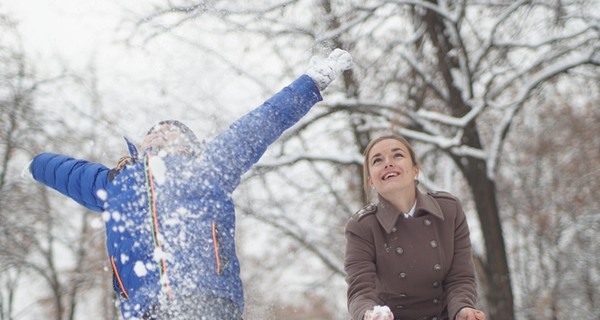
pixel 551 203
pixel 48 251
pixel 451 75
pixel 16 236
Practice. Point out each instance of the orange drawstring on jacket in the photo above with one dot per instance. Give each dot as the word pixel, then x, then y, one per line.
pixel 154 225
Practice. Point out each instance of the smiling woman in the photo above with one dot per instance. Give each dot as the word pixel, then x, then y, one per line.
pixel 391 168
pixel 408 256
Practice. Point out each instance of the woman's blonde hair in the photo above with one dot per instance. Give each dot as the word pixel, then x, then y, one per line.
pixel 373 142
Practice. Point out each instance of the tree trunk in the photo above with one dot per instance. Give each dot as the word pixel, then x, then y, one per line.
pixel 499 293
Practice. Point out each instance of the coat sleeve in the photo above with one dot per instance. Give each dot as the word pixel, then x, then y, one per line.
pixel 461 288
pixel 359 264
pixel 80 180
pixel 234 151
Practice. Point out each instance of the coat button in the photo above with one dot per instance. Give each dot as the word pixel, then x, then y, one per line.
pixel 436 284
pixel 433 244
pixel 435 301
pixel 399 251
pixel 402 275
pixel 437 267
pixel 394 229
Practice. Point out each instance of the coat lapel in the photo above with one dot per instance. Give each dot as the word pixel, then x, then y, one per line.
pixel 388 215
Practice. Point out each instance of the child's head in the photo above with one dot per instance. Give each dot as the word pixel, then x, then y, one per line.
pixel 171 136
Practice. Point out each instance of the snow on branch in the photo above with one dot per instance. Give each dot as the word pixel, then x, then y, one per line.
pixel 537 65
pixel 551 71
pixel 513 107
pixel 531 44
pixel 450 120
pixel 326 109
pixel 320 157
pixel 453 145
pixel 362 105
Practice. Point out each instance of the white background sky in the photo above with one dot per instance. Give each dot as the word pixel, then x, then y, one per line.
pixel 69 29
pixel 169 78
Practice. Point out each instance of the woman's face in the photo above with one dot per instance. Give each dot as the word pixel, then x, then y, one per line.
pixel 391 168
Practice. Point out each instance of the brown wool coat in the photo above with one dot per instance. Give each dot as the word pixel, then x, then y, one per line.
pixel 420 267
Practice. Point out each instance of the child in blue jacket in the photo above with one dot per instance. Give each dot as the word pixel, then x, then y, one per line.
pixel 170 219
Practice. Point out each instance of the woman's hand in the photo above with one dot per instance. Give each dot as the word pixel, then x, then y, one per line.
pixel 379 313
pixel 469 314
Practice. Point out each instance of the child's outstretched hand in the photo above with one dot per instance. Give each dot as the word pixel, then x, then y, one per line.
pixel 324 71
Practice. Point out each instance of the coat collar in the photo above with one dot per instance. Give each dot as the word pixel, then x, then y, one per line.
pixel 388 215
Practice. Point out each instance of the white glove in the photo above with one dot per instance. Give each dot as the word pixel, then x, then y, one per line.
pixel 323 71
pixel 379 313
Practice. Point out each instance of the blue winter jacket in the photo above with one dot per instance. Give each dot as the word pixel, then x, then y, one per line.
pixel 170 220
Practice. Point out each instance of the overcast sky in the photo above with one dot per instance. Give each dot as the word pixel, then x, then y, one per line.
pixel 163 79
pixel 71 29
